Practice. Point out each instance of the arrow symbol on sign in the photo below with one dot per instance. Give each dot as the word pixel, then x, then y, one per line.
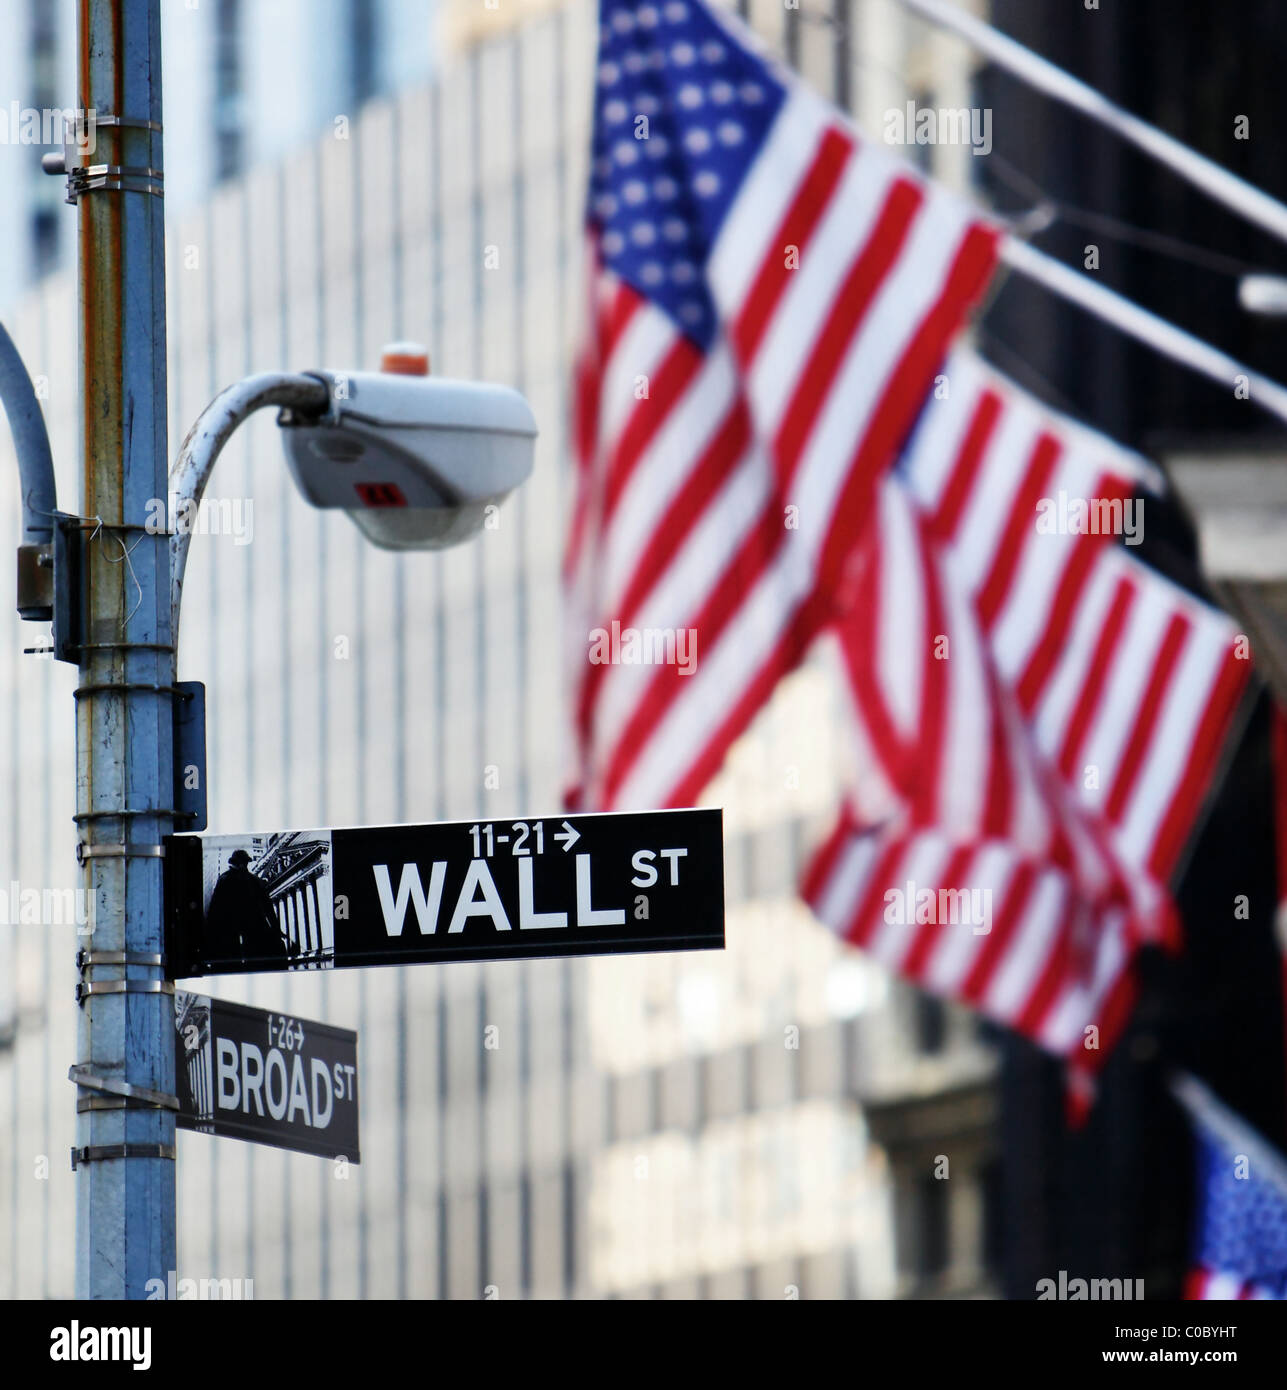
pixel 568 836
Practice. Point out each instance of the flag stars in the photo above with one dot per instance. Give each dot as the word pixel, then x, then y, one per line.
pixel 658 199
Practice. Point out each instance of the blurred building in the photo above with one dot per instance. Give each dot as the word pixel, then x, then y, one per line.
pixel 778 1120
pixel 247 81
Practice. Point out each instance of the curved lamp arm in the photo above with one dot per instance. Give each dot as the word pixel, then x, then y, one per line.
pixel 36 475
pixel 205 440
pixel 31 441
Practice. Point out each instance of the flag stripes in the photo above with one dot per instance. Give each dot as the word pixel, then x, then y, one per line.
pixel 1130 683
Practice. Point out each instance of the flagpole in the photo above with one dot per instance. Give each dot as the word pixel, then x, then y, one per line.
pixel 1143 325
pixel 1216 181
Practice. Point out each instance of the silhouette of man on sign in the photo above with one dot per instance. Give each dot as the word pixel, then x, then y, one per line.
pixel 242 919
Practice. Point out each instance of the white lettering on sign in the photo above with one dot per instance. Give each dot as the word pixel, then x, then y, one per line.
pixel 283 1086
pixel 277 1104
pixel 673 856
pixel 586 915
pixel 228 1079
pixel 644 864
pixel 478 875
pixel 322 1092
pixel 251 1079
pixel 410 889
pixel 528 917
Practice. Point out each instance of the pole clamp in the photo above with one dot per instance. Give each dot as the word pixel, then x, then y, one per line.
pixel 86 959
pixel 99 1153
pixel 114 178
pixel 85 988
pixel 91 1081
pixel 115 851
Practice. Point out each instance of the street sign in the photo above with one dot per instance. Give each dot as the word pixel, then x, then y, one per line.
pixel 268 1077
pixel 461 890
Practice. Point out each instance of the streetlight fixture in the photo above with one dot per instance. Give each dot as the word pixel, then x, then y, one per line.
pixel 416 461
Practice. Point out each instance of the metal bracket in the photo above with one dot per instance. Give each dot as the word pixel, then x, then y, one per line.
pixel 82 1076
pixel 114 178
pixel 87 959
pixel 87 987
pixel 85 1104
pixel 116 851
pixel 36 581
pixel 100 1153
pixel 125 688
pixel 69 587
pixel 190 753
pixel 130 122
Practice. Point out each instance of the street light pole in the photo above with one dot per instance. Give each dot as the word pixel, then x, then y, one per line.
pixel 125 1178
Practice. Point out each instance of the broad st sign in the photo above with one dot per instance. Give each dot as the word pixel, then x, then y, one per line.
pixel 462 890
pixel 271 1078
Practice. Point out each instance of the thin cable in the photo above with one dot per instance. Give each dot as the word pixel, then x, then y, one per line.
pixel 1146 237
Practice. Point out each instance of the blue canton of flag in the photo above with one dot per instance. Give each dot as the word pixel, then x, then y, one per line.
pixel 1240 1241
pixel 681 111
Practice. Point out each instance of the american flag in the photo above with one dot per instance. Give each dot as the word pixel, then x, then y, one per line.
pixel 1240 1233
pixel 1130 684
pixel 1086 697
pixel 955 807
pixel 769 298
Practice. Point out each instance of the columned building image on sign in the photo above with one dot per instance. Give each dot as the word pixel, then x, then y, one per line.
pixel 768 1121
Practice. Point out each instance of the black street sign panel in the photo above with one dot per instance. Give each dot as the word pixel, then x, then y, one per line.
pixel 460 890
pixel 267 1077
